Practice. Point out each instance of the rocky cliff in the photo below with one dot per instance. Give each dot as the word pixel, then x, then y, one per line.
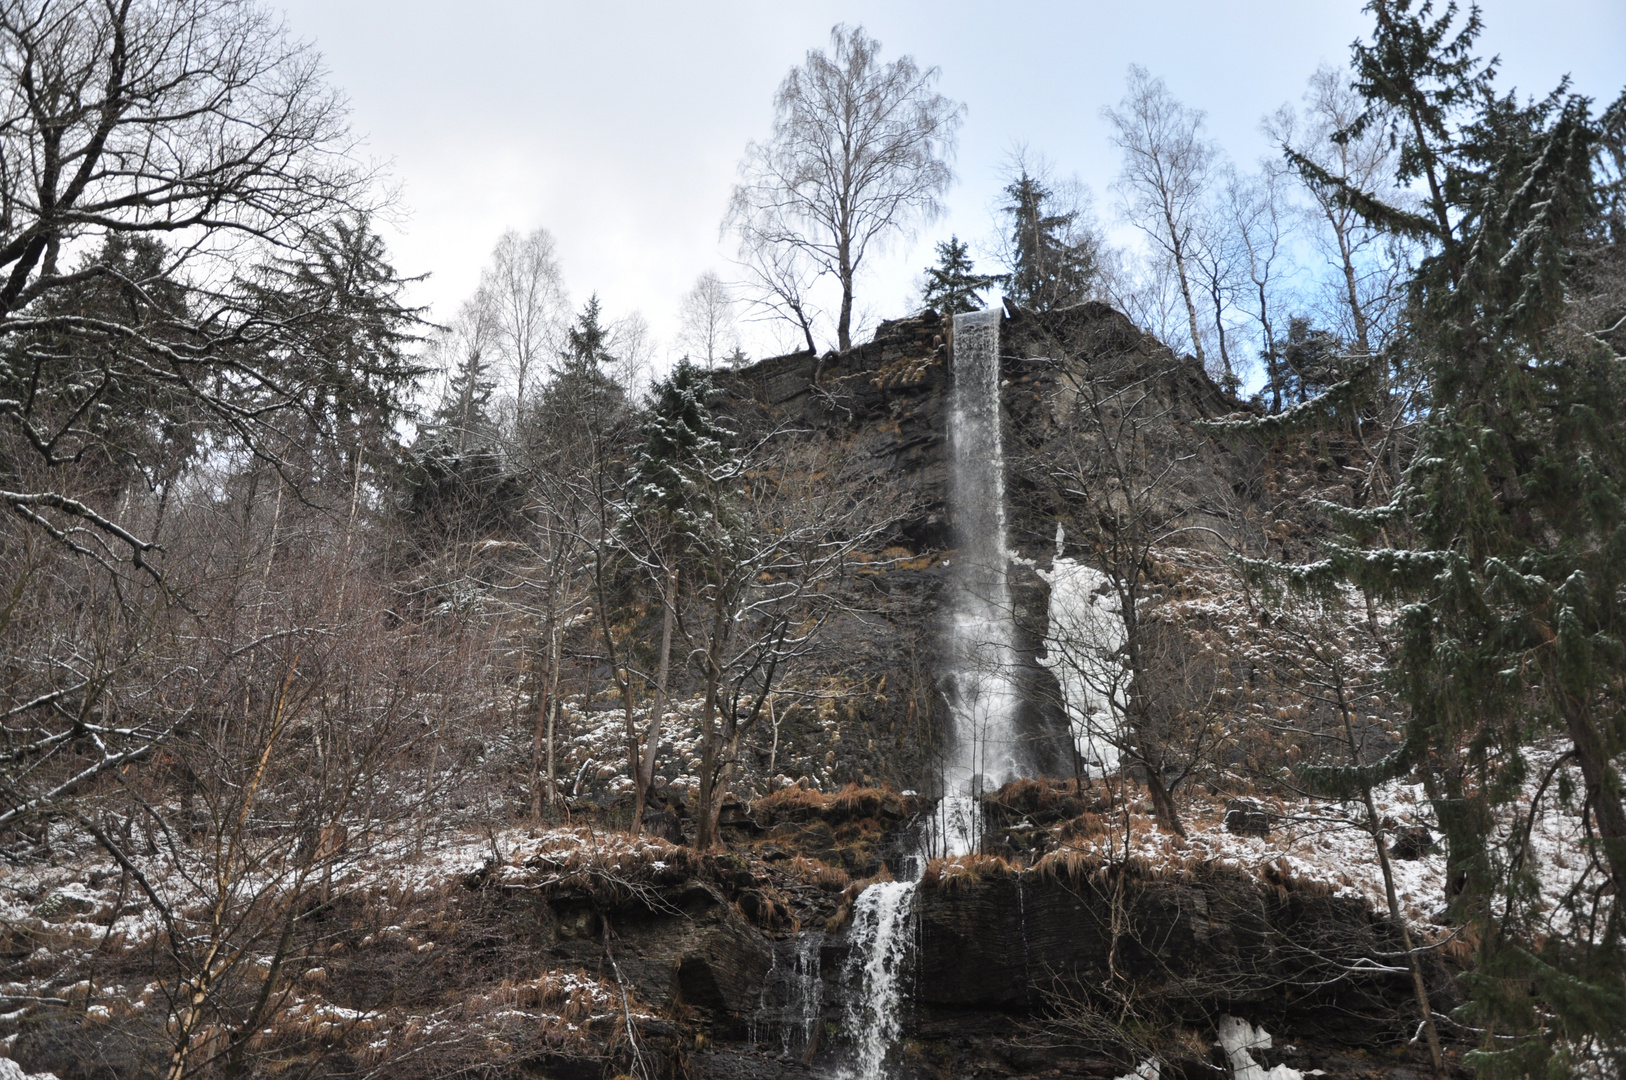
pixel 880 414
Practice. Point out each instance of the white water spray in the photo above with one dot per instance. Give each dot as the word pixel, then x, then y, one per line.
pixel 982 657
pixel 881 944
pixel 791 1005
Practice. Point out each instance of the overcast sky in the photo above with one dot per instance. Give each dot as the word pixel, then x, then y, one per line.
pixel 618 126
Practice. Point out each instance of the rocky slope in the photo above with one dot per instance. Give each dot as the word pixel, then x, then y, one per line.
pixel 1088 941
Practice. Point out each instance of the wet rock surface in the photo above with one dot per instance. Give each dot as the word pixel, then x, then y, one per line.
pixel 1001 960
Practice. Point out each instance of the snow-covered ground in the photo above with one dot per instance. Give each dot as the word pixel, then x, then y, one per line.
pixel 1325 842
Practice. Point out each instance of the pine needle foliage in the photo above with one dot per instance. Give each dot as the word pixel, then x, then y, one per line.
pixel 1513 580
pixel 953 286
pixel 687 470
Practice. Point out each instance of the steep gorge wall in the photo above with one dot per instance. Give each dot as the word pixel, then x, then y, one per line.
pixel 1037 973
pixel 880 414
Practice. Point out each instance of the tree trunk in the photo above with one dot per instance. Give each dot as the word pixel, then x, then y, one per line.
pixel 703 836
pixel 725 776
pixel 553 714
pixel 1356 314
pixel 1178 250
pixel 542 702
pixel 1375 826
pixel 539 728
pixel 630 730
pixel 1272 368
pixel 1163 802
pixel 1231 381
pixel 1603 788
pixel 845 322
pixel 644 778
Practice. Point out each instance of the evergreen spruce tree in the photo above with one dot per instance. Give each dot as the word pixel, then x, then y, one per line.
pixel 1310 361
pixel 582 402
pixel 1048 267
pixel 464 413
pixel 456 479
pixel 684 448
pixel 953 286
pixel 587 343
pixel 678 515
pixel 1514 582
pixel 336 319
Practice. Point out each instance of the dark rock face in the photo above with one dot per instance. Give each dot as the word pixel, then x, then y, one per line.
pixel 1246 818
pixel 881 412
pixel 1007 968
pixel 1209 942
pixel 876 414
pixel 690 947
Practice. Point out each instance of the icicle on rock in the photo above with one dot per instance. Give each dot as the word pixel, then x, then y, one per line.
pixel 1082 645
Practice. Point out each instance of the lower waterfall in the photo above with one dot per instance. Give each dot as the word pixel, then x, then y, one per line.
pixel 881 951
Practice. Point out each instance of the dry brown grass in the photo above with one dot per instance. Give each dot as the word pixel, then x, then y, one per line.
pixel 814 872
pixel 1072 866
pixel 964 872
pixel 1047 801
pixel 852 801
pixel 1082 827
pixel 790 803
pixel 1069 865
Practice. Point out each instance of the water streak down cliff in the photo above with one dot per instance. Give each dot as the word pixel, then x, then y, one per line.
pixel 981 683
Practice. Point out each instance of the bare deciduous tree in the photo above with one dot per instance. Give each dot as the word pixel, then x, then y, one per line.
pixel 1258 215
pixel 1141 686
pixel 1323 658
pixel 779 282
pixel 764 591
pixel 164 168
pixel 1357 253
pixel 1219 260
pixel 633 348
pixel 1166 174
pixel 1362 298
pixel 860 150
pixel 707 318
pixel 523 297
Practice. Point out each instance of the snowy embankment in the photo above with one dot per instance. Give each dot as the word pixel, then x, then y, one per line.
pixel 1327 843
pixel 90 936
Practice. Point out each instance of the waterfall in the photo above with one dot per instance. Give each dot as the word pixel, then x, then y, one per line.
pixel 879 952
pixel 792 1000
pixel 981 681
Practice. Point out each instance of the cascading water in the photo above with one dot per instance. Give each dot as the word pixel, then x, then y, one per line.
pixel 982 687
pixel 792 1000
pixel 880 951
pixel 1085 634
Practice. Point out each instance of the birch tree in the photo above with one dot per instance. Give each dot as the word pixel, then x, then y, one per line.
pixel 860 153
pixel 1165 178
pixel 707 317
pixel 523 296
